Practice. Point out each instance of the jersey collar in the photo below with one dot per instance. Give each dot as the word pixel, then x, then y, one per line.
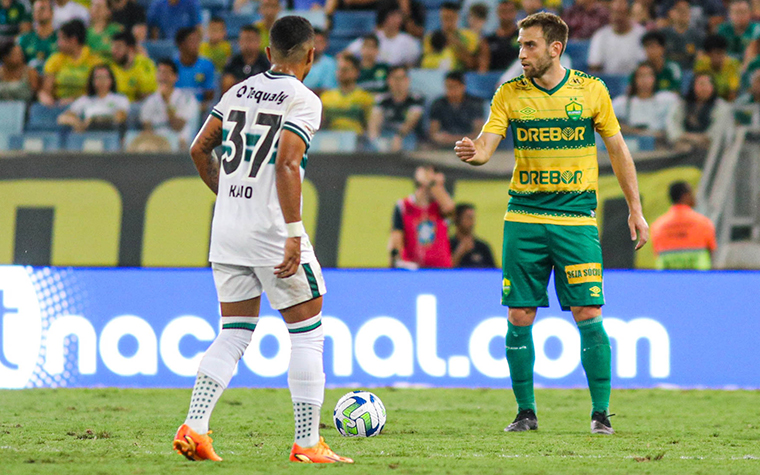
pixel 555 88
pixel 275 75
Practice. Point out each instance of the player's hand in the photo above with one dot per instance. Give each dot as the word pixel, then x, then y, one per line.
pixel 465 149
pixel 292 259
pixel 639 229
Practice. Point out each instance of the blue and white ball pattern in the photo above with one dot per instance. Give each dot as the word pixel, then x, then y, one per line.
pixel 359 414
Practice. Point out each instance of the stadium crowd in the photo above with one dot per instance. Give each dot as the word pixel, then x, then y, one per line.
pixel 392 74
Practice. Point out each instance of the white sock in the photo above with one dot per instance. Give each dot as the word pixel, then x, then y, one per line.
pixel 216 369
pixel 306 378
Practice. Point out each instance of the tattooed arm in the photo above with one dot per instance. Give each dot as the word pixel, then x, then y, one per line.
pixel 207 164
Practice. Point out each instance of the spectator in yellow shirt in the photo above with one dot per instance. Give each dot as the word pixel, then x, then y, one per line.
pixel 135 73
pixel 348 107
pixel 67 70
pixel 725 70
pixel 451 47
pixel 217 48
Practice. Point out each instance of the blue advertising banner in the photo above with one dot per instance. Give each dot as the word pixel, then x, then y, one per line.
pixel 64 327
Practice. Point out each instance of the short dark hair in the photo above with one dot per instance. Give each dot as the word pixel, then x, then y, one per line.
pixel 402 67
pixel 678 190
pixel 460 209
pixel 74 29
pixel 479 10
pixel 217 19
pixel 5 49
pixel 384 13
pixel 289 34
pixel 651 36
pixel 554 28
pixel 319 31
pixel 450 6
pixel 170 64
pixel 250 29
pixel 183 33
pixel 353 60
pixel 372 37
pixel 457 76
pixel 715 42
pixel 91 79
pixel 127 37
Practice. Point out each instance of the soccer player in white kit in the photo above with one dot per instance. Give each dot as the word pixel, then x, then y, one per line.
pixel 258 242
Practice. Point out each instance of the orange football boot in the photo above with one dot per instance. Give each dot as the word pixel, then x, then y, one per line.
pixel 320 453
pixel 193 445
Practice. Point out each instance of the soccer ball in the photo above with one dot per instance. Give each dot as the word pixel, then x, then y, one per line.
pixel 359 414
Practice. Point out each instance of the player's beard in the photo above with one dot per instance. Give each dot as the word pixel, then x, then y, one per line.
pixel 539 67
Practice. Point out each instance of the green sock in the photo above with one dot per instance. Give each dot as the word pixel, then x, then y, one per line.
pixel 521 355
pixel 596 356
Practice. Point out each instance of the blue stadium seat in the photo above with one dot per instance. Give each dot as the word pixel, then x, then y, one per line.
pixel 352 23
pixel 482 85
pixel 432 20
pixel 433 3
pixel 317 18
pixel 331 141
pixel 578 52
pixel 214 5
pixel 133 116
pixel 235 22
pixel 687 77
pixel 93 142
pixel 337 44
pixel 12 115
pixel 427 82
pixel 616 83
pixel 35 142
pixel 44 119
pixel 160 49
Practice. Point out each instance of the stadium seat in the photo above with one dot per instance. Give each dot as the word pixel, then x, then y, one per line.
pixel 577 50
pixel 616 83
pixel 337 44
pixel 160 49
pixel 482 85
pixel 133 116
pixel 214 6
pixel 436 4
pixel 427 82
pixel 12 115
pixel 93 142
pixel 432 20
pixel 317 18
pixel 686 78
pixel 35 142
pixel 43 118
pixel 331 141
pixel 235 22
pixel 352 24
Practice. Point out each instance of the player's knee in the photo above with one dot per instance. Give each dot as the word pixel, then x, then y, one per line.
pixel 586 313
pixel 522 316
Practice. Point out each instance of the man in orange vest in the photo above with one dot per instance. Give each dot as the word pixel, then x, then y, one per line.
pixel 683 238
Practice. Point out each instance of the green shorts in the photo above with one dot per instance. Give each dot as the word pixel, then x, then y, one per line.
pixel 530 253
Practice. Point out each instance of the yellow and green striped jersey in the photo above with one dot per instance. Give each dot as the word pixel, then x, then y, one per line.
pixel 556 169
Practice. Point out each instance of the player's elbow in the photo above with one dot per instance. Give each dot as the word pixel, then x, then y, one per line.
pixel 287 165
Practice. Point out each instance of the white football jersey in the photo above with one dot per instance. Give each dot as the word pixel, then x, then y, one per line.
pixel 248 227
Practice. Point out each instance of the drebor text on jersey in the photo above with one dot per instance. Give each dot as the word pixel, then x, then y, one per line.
pixel 260 95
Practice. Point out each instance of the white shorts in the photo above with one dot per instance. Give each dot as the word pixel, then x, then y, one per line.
pixel 237 283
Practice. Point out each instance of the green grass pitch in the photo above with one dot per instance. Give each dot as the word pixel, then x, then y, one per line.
pixel 435 431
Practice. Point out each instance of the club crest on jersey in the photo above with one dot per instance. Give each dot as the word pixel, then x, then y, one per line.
pixel 426 232
pixel 260 95
pixel 574 110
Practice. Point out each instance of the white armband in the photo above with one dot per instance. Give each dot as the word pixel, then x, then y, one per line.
pixel 295 229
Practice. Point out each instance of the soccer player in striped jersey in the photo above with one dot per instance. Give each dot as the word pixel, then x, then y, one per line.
pixel 258 243
pixel 550 221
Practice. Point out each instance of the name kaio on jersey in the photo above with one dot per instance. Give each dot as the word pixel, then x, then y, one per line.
pixel 240 191
pixel 260 95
